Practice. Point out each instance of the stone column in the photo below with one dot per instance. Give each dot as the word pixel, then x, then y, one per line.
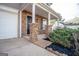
pixel 34 31
pixel 48 29
pixel 33 26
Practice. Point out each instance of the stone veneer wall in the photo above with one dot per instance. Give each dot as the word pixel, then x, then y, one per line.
pixel 23 23
pixel 34 31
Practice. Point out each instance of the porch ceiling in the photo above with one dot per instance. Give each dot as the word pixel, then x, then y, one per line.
pixel 38 11
pixel 41 12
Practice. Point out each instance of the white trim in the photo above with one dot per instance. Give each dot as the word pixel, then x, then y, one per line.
pixel 26 25
pixel 20 20
pixel 8 9
pixel 20 23
pixel 33 13
pixel 49 18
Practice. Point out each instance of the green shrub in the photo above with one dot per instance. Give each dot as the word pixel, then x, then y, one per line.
pixel 62 36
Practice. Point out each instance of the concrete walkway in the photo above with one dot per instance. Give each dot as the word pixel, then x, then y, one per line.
pixel 22 47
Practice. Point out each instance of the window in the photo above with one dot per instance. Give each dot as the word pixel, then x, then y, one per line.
pixel 43 24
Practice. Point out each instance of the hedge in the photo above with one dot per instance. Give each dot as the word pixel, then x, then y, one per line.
pixel 63 36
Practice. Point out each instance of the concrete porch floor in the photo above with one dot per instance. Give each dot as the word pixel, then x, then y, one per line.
pixel 22 47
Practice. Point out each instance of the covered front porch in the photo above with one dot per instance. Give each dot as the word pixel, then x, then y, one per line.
pixel 35 20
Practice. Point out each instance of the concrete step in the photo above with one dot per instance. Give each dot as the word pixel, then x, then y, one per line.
pixel 26 37
pixel 42 43
pixel 41 36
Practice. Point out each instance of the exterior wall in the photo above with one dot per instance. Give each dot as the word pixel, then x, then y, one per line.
pixel 44 25
pixel 24 22
pixel 38 20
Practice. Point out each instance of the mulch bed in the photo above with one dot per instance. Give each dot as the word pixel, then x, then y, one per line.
pixel 59 48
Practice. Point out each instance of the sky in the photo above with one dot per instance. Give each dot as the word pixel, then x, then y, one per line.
pixel 67 8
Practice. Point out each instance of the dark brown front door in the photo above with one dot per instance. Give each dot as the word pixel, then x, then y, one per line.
pixel 29 20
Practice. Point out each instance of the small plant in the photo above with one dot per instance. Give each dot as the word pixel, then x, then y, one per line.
pixel 63 36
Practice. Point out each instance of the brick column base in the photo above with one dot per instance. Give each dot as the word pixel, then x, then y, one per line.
pixel 34 31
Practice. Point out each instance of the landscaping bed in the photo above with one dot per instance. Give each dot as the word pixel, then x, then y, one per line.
pixel 60 50
pixel 63 41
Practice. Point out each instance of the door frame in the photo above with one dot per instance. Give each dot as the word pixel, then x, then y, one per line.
pixel 26 22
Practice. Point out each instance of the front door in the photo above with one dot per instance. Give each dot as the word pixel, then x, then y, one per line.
pixel 29 20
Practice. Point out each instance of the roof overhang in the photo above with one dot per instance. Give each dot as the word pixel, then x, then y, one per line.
pixel 41 9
